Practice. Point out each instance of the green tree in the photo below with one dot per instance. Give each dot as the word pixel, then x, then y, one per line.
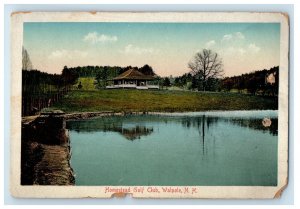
pixel 147 70
pixel 69 76
pixel 102 76
pixel 166 82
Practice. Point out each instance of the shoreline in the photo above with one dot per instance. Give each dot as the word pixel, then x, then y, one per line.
pixel 45 151
pixel 222 113
pixel 46 164
pixel 87 115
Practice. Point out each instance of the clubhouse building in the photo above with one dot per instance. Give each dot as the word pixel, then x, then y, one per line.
pixel 133 79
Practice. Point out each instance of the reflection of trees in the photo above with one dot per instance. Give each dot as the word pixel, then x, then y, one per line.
pixel 199 121
pixel 256 124
pixel 93 125
pixel 203 132
pixel 110 125
pixel 132 133
pixel 202 123
pixel 253 123
pixel 133 127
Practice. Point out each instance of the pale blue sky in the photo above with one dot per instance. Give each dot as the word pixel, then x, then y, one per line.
pixel 167 47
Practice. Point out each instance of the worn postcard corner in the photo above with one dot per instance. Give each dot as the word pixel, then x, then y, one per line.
pixel 149 104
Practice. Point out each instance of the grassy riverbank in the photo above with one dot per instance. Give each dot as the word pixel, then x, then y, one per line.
pixel 160 100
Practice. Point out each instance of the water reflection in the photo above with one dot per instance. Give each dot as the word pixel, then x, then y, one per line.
pixel 256 124
pixel 201 123
pixel 132 133
pixel 128 131
pixel 204 122
pixel 180 150
pixel 130 127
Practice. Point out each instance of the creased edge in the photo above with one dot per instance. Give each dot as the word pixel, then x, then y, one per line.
pixel 20 12
pixel 280 191
pixel 121 195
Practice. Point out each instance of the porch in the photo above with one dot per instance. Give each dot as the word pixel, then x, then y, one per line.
pixel 132 86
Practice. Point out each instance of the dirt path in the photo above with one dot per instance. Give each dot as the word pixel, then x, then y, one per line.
pixel 54 167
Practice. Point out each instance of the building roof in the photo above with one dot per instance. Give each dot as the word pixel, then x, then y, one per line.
pixel 133 74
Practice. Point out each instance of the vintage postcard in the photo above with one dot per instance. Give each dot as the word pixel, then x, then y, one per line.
pixel 152 105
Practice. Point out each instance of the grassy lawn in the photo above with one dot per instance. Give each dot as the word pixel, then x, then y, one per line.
pixel 160 100
pixel 87 83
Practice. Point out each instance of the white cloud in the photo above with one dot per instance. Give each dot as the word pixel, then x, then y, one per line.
pixel 130 49
pixel 210 44
pixel 234 51
pixel 239 35
pixel 67 54
pixel 253 48
pixel 94 38
pixel 227 37
pixel 234 36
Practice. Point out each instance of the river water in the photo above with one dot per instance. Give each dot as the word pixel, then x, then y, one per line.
pixel 231 148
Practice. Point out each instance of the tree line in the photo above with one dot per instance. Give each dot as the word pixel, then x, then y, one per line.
pixel 37 82
pixel 109 71
pixel 41 90
pixel 264 82
pixel 252 83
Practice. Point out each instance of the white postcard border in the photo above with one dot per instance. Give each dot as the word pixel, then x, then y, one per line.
pixel 261 192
